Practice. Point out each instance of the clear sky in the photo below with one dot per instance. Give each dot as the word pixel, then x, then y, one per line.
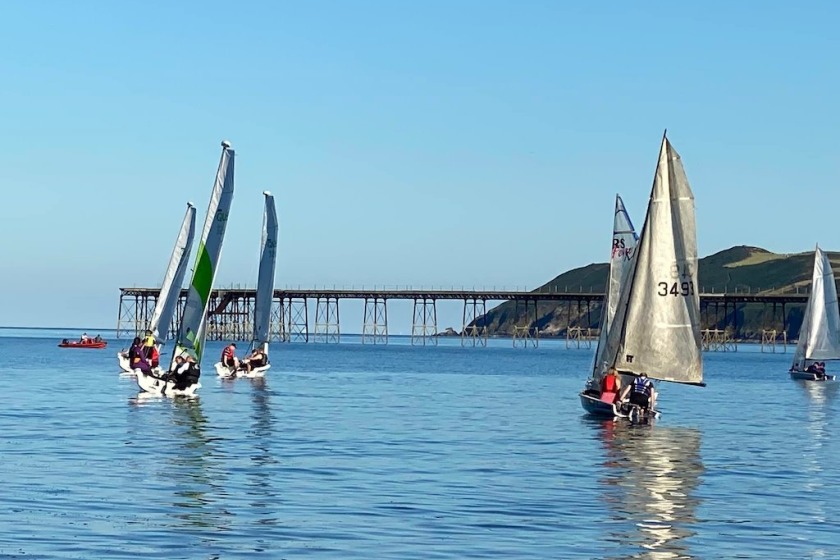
pixel 446 143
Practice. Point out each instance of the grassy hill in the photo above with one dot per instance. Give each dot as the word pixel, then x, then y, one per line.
pixel 741 269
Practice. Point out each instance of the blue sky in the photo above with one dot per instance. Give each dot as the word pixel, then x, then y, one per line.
pixel 451 143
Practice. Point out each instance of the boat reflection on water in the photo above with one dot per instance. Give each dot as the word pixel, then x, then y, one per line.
pixel 650 477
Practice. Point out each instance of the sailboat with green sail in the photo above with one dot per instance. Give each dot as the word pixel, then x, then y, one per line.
pixel 183 375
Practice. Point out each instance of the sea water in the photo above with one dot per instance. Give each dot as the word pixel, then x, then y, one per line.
pixel 398 451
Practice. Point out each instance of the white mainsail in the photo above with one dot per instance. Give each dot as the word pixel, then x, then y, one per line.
pixel 193 329
pixel 265 278
pixel 623 251
pixel 656 328
pixel 819 336
pixel 170 289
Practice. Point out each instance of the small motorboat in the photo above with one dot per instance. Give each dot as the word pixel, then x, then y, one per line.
pixel 89 343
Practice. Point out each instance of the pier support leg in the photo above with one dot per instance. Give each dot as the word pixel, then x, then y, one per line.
pixel 298 319
pixel 375 326
pixel 326 320
pixel 424 325
pixel 277 325
pixel 525 333
pixel 473 327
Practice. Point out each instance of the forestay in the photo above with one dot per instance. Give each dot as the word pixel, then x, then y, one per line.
pixel 656 329
pixel 819 336
pixel 623 251
pixel 192 332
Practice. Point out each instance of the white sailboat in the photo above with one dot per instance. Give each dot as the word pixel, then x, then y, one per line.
pixel 622 254
pixel 819 336
pixel 170 288
pixel 265 292
pixel 189 344
pixel 656 327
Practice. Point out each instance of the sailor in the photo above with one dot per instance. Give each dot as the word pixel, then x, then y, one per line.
pixel 185 372
pixel 229 357
pixel 611 383
pixel 257 359
pixel 641 392
pixel 148 344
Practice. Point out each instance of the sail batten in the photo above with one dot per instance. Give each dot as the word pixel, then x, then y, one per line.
pixel 170 289
pixel 193 330
pixel 656 329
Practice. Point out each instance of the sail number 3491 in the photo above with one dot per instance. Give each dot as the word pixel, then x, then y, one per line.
pixel 675 289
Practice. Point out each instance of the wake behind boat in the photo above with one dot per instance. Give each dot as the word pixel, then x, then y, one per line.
pixel 655 332
pixel 819 336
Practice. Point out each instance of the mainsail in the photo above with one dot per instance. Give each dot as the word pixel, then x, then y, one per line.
pixel 623 251
pixel 170 289
pixel 656 329
pixel 819 336
pixel 193 329
pixel 265 279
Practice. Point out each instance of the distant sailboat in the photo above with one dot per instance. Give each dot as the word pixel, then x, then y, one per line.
pixel 819 336
pixel 170 289
pixel 656 328
pixel 265 292
pixel 189 344
pixel 622 254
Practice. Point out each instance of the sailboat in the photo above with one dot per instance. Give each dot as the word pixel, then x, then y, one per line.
pixel 265 292
pixel 170 289
pixel 656 327
pixel 819 336
pixel 622 253
pixel 189 344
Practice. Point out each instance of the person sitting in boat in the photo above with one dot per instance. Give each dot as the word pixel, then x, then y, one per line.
pixel 185 372
pixel 257 359
pixel 134 350
pixel 641 392
pixel 813 368
pixel 84 338
pixel 148 344
pixel 154 359
pixel 229 358
pixel 97 338
pixel 611 384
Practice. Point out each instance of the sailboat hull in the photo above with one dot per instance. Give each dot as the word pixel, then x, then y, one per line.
pixel 805 376
pixel 224 371
pixel 157 386
pixel 595 406
pixel 122 358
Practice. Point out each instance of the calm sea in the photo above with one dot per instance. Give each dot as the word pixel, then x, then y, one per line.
pixel 399 452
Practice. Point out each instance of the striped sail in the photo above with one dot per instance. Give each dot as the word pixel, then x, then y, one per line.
pixel 191 335
pixel 656 329
pixel 623 251
pixel 265 279
pixel 819 336
pixel 170 290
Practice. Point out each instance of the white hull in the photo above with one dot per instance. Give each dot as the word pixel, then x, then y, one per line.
pixel 122 358
pixel 157 386
pixel 224 371
pixel 805 376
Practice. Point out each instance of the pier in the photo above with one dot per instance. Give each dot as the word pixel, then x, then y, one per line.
pixel 231 313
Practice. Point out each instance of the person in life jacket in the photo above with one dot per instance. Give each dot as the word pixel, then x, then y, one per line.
pixel 611 382
pixel 229 356
pixel 641 392
pixel 185 372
